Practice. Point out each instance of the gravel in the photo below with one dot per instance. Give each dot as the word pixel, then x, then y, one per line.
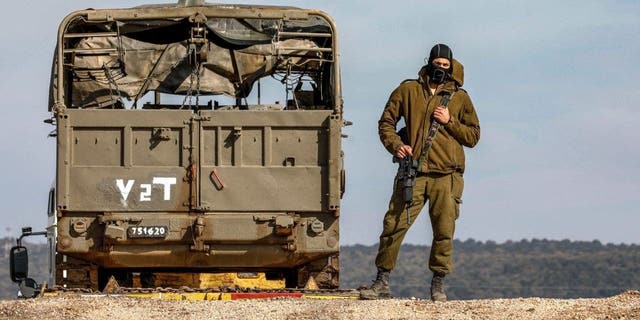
pixel 623 306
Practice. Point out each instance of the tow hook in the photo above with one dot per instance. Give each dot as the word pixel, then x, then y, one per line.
pixel 197 231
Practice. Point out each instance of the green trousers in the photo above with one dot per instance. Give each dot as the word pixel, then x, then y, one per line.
pixel 443 192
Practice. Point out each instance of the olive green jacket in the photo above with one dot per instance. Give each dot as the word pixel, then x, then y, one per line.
pixel 411 100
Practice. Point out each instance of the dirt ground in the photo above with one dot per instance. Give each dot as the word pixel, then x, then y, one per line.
pixel 624 306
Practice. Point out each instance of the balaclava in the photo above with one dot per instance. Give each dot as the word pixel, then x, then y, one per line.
pixel 438 74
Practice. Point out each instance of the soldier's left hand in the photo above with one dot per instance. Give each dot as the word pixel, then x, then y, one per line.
pixel 441 114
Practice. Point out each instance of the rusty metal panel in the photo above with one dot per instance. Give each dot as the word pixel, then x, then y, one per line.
pixel 220 256
pixel 306 145
pixel 157 147
pixel 232 240
pixel 266 160
pixel 97 146
pixel 124 160
pixel 264 189
pixel 141 189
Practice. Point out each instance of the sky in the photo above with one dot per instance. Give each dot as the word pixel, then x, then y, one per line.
pixel 555 85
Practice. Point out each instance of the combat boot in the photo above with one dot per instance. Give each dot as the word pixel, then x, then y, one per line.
pixel 437 289
pixel 379 289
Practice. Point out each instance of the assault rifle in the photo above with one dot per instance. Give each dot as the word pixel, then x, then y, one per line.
pixel 406 179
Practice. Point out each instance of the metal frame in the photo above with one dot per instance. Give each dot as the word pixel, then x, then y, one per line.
pixel 221 11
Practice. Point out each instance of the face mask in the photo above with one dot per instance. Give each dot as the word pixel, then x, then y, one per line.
pixel 437 74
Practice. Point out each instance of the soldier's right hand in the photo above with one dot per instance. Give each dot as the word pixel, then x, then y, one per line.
pixel 404 151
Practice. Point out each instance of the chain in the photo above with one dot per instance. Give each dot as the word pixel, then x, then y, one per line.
pixel 198 65
pixel 184 289
pixel 189 90
pixel 195 75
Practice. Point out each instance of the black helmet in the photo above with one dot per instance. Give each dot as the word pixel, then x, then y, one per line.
pixel 441 51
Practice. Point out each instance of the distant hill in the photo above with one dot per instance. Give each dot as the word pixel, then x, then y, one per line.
pixel 527 268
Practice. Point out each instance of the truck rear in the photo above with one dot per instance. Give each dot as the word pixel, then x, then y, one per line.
pixel 170 161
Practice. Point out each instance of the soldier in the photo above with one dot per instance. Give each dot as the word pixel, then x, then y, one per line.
pixel 439 178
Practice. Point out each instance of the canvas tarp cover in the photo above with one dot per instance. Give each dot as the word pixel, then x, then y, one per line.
pixel 154 56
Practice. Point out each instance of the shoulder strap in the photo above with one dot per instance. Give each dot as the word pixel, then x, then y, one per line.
pixel 433 130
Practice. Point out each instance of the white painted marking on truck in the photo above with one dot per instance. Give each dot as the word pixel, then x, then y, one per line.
pixel 146 188
pixel 166 182
pixel 145 195
pixel 124 189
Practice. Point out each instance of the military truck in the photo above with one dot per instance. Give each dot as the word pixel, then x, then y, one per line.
pixel 194 138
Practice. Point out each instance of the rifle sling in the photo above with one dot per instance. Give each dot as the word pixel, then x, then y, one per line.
pixel 433 130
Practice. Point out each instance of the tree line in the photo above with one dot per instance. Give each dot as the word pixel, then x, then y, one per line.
pixel 526 268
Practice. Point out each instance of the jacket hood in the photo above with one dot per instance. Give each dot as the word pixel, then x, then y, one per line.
pixel 457 74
